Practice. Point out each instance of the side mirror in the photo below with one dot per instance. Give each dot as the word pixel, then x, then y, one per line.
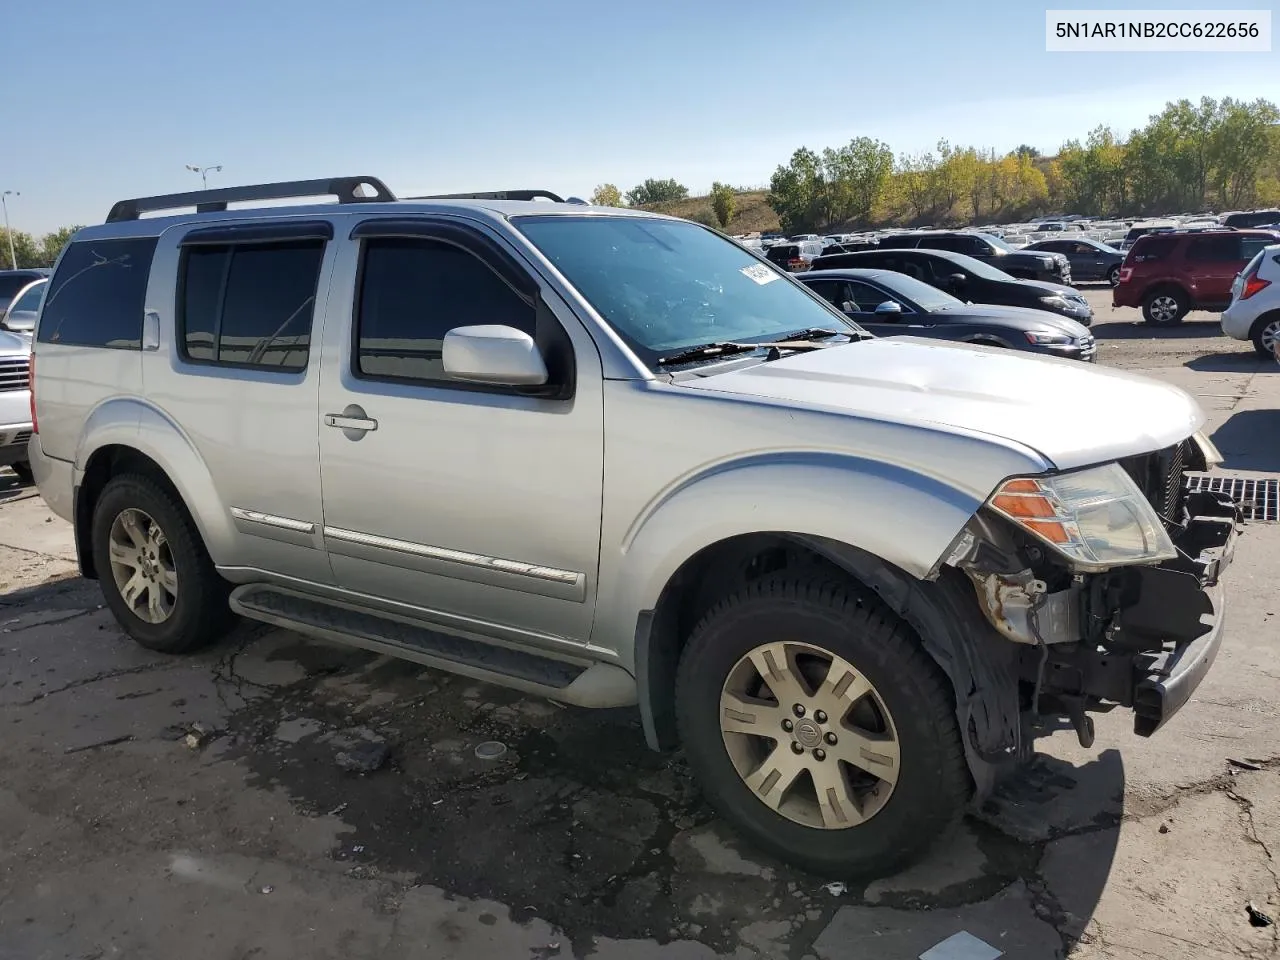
pixel 957 280
pixel 493 354
pixel 890 308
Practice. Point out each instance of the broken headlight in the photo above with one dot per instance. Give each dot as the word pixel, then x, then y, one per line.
pixel 1096 518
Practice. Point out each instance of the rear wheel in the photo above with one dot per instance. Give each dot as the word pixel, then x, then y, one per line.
pixel 23 470
pixel 154 571
pixel 1113 276
pixel 1165 307
pixel 1265 335
pixel 819 728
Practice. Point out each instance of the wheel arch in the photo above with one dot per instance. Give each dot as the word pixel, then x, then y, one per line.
pixel 981 666
pixel 129 436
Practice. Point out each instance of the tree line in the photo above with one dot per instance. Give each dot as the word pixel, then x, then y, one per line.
pixel 33 251
pixel 1189 158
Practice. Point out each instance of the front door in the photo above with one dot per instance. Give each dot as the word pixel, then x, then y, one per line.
pixel 477 505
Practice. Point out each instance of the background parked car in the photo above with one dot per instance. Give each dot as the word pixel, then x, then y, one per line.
pixel 21 313
pixel 1171 273
pixel 15 404
pixel 1252 218
pixel 1052 267
pixel 1090 259
pixel 889 303
pixel 12 281
pixel 1254 313
pixel 794 257
pixel 968 279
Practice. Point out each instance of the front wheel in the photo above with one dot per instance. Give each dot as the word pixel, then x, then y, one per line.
pixel 818 727
pixel 1164 308
pixel 155 574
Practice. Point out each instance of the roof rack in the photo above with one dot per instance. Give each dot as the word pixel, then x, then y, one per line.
pixel 501 195
pixel 205 201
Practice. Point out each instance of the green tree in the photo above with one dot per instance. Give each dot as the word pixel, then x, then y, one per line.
pixel 25 248
pixel 1026 150
pixel 606 195
pixel 797 192
pixel 656 191
pixel 723 199
pixel 705 216
pixel 858 174
pixel 52 243
pixel 1240 144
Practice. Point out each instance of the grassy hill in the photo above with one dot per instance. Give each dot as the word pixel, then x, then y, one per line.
pixel 751 213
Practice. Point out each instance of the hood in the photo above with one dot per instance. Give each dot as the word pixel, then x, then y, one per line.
pixel 1048 288
pixel 1018 318
pixel 1074 414
pixel 11 343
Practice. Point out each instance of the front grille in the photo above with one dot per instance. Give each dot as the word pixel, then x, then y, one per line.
pixel 1088 348
pixel 1258 500
pixel 1159 476
pixel 14 373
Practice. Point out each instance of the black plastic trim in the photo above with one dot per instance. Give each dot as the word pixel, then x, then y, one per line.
pixel 273 232
pixel 495 195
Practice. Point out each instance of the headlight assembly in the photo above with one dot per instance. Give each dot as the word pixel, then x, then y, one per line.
pixel 1095 518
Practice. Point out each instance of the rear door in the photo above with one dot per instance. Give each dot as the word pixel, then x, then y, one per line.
pixel 1212 263
pixel 240 373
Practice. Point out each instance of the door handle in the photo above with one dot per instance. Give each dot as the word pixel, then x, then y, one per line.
pixel 349 423
pixel 353 421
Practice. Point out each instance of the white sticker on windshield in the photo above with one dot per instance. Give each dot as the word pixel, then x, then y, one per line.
pixel 759 273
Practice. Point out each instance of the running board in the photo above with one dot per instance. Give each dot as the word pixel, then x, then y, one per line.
pixel 581 684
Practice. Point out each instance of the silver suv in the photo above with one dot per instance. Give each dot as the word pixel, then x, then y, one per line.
pixel 614 458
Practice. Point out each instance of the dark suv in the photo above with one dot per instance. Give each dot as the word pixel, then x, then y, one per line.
pixel 1252 218
pixel 1169 274
pixel 1027 265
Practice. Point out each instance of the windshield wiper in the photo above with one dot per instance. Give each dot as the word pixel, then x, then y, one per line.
pixel 802 340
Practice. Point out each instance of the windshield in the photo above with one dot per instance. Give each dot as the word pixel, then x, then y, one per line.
pixel 927 298
pixel 31 299
pixel 667 285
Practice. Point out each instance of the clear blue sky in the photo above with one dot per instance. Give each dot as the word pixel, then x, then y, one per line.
pixel 109 100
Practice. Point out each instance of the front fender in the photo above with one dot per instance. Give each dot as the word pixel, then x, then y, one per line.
pixel 901 516
pixel 130 422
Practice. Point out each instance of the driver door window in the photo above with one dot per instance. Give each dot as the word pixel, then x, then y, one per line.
pixel 866 298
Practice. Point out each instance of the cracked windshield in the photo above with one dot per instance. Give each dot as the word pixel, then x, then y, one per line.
pixel 656 496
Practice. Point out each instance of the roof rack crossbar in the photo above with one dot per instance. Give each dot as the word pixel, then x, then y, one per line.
pixel 496 195
pixel 206 201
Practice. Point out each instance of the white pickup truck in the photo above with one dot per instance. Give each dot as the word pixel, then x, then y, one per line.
pixel 15 403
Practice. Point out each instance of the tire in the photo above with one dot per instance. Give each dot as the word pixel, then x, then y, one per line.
pixel 23 469
pixel 1113 276
pixel 196 612
pixel 1265 334
pixel 1165 307
pixel 910 702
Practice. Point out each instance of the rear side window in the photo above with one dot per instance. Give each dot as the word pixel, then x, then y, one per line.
pixel 249 305
pixel 1214 249
pixel 1251 246
pixel 96 297
pixel 413 292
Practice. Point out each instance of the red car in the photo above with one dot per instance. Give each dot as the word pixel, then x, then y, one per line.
pixel 1168 274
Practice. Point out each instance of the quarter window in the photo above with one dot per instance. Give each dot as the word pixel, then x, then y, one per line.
pixel 249 305
pixel 413 292
pixel 96 296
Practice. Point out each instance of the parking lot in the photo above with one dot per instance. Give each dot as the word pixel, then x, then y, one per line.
pixel 276 797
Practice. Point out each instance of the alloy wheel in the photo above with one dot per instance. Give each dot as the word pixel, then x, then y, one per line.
pixel 1164 308
pixel 809 735
pixel 142 566
pixel 1269 336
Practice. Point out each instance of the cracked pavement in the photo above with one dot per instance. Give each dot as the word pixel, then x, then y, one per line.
pixel 122 837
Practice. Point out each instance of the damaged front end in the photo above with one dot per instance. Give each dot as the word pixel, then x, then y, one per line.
pixel 1133 622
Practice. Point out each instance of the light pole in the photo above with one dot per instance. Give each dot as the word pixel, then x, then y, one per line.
pixel 9 233
pixel 204 172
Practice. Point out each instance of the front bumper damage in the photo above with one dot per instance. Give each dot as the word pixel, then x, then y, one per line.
pixel 1141 638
